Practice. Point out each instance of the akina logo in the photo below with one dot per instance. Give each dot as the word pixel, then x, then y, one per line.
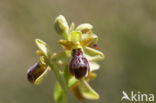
pixel 137 96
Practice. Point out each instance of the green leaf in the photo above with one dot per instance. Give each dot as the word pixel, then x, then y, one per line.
pixel 87 91
pixel 75 36
pixel 42 76
pixel 94 66
pixel 43 47
pixel 93 55
pixel 58 93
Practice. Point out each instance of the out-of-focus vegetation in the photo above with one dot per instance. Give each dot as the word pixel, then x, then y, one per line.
pixel 127 34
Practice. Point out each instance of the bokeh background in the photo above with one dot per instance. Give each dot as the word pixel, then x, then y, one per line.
pixel 127 36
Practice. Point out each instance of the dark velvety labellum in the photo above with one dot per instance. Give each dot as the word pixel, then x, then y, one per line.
pixel 79 65
pixel 34 72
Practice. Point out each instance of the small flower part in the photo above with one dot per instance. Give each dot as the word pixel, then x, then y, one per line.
pixel 79 65
pixel 94 46
pixel 76 88
pixel 85 28
pixel 61 26
pixel 35 71
pixel 76 91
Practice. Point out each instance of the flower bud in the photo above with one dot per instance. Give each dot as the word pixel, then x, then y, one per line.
pixel 61 25
pixel 35 71
pixel 79 66
pixel 85 28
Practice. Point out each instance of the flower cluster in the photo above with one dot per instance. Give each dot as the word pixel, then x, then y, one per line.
pixel 78 59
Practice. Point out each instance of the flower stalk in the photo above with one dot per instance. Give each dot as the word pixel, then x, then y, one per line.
pixel 74 66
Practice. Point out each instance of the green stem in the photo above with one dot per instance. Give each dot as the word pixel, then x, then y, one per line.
pixel 65 97
pixel 60 79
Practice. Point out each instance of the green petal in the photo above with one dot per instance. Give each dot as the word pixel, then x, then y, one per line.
pixel 43 47
pixel 66 44
pixel 73 81
pixel 58 93
pixel 87 91
pixel 93 55
pixel 93 36
pixel 72 27
pixel 76 91
pixel 94 66
pixel 75 36
pixel 84 28
pixel 41 77
pixel 91 76
pixel 87 41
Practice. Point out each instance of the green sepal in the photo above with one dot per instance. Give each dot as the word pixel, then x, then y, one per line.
pixel 91 76
pixel 87 91
pixel 86 42
pixel 93 36
pixel 92 54
pixel 94 66
pixel 84 28
pixel 72 81
pixel 42 76
pixel 66 44
pixel 44 48
pixel 58 93
pixel 69 45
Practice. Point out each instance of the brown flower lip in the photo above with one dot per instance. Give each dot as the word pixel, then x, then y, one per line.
pixel 79 66
pixel 34 72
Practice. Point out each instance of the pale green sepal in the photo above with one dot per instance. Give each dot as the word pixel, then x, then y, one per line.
pixel 87 91
pixel 75 36
pixel 58 93
pixel 66 44
pixel 94 66
pixel 93 36
pixel 41 77
pixel 43 47
pixel 83 27
pixel 72 81
pixel 86 42
pixel 93 55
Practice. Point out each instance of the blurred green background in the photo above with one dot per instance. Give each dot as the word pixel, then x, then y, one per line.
pixel 127 36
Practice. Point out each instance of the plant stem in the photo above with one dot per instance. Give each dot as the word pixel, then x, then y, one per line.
pixel 60 79
pixel 65 97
